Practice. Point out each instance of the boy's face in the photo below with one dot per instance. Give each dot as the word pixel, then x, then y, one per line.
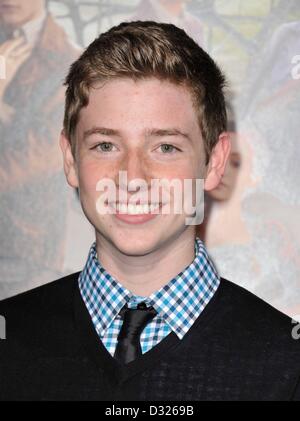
pixel 132 109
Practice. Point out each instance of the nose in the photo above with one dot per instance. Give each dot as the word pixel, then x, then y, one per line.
pixel 134 164
pixel 136 180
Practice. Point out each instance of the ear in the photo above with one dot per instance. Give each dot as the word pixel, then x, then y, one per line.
pixel 70 167
pixel 217 162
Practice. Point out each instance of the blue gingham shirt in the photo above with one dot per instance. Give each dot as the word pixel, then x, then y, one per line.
pixel 178 303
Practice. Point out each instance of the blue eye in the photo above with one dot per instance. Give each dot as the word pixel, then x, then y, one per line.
pixel 102 147
pixel 169 148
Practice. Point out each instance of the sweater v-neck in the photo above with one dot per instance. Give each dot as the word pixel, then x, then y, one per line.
pixel 107 363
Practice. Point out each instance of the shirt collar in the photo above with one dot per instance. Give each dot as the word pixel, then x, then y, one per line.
pixel 31 29
pixel 179 302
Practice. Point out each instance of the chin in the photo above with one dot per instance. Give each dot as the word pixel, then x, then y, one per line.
pixel 135 245
pixel 134 240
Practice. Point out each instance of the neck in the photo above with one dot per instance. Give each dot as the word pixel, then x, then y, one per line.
pixel 143 275
pixel 226 225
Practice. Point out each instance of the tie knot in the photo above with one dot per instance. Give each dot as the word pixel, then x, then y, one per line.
pixel 135 320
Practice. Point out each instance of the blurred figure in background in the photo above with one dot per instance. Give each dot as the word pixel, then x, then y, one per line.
pixel 36 53
pixel 217 200
pixel 171 11
pixel 272 211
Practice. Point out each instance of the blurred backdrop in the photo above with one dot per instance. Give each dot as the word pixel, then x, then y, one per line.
pixel 252 227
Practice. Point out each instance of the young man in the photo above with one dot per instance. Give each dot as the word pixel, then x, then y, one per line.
pixel 148 318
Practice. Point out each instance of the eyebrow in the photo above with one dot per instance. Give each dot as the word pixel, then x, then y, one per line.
pixel 105 131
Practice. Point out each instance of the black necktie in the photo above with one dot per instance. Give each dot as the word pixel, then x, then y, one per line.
pixel 134 321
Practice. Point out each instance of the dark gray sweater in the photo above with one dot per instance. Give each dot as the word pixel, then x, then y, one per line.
pixel 240 348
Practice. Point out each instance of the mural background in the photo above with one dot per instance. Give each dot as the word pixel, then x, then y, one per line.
pixel 252 225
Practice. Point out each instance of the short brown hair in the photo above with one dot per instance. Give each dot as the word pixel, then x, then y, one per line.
pixel 143 49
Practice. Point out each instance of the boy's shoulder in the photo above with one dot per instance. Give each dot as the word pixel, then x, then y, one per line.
pixel 252 318
pixel 39 321
pixel 247 303
pixel 49 297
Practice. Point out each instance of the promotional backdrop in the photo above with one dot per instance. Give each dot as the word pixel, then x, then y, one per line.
pixel 252 227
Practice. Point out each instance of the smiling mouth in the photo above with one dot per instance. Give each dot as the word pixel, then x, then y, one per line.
pixel 135 209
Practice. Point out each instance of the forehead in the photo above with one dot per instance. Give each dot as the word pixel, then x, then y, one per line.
pixel 139 102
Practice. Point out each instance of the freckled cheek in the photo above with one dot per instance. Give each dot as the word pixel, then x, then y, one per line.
pixel 89 175
pixel 91 172
pixel 179 173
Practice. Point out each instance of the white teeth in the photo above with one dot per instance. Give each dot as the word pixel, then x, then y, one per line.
pixel 154 207
pixel 136 209
pixel 122 208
